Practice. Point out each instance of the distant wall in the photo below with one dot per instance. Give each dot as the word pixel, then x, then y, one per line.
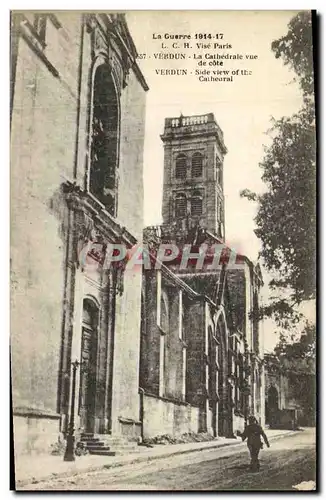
pixel 238 424
pixel 167 417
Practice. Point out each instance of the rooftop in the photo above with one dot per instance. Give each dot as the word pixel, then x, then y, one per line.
pixel 193 125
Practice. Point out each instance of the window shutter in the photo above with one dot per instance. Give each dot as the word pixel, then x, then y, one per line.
pixel 181 167
pixel 196 205
pixel 180 205
pixel 197 165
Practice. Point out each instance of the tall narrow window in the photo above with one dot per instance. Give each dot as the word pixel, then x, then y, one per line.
pixel 164 316
pixel 196 204
pixel 219 174
pixel 197 165
pixel 220 227
pixel 181 167
pixel 219 210
pixel 180 205
pixel 104 146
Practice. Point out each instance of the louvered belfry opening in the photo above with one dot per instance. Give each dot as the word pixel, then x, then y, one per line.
pixel 181 166
pixel 197 165
pixel 196 204
pixel 180 205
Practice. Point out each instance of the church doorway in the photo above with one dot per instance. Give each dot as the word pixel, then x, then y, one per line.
pixel 272 406
pixel 87 397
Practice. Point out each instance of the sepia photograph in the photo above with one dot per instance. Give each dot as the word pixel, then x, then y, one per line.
pixel 163 250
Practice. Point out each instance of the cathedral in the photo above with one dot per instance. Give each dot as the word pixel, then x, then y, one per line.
pixel 110 352
pixel 201 344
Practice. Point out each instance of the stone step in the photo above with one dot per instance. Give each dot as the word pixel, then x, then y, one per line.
pixel 106 444
pixel 90 440
pixel 98 448
pixel 93 443
pixel 102 451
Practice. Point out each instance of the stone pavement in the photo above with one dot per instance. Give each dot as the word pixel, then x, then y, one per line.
pixel 33 469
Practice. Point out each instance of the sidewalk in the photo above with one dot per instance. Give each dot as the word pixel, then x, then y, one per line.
pixel 33 469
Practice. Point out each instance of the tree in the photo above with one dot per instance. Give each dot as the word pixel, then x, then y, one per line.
pixel 286 217
pixel 295 48
pixel 303 348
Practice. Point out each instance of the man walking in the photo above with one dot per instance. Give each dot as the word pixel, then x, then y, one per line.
pixel 252 433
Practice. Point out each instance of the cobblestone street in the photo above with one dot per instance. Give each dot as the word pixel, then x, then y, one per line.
pixel 289 461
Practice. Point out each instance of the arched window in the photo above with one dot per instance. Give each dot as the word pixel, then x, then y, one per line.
pixel 180 205
pixel 181 166
pixel 90 313
pixel 104 139
pixel 196 203
pixel 197 165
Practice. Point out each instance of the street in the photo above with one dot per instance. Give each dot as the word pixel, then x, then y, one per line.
pixel 289 461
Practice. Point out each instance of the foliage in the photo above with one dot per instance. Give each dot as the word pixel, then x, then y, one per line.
pixel 304 348
pixel 58 448
pixel 295 48
pixel 81 449
pixel 286 218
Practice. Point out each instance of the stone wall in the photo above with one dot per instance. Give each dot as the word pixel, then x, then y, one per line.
pixel 196 359
pixel 34 434
pixel 43 133
pixel 125 399
pixel 174 345
pixel 162 416
pixel 150 340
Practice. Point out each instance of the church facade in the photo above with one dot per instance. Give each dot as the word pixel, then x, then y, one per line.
pixel 77 134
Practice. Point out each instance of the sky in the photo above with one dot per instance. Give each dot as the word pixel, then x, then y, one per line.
pixel 243 108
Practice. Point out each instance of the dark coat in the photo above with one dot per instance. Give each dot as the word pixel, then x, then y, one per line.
pixel 252 433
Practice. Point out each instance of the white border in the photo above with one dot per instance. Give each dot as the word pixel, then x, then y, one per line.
pixel 4 198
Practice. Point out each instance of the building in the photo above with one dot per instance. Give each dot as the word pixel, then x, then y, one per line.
pixel 129 353
pixel 290 398
pixel 77 133
pixel 201 349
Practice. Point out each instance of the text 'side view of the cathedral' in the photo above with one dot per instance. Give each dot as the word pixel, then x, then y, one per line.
pixel 129 354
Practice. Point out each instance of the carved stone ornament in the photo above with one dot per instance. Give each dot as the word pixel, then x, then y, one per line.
pixel 91 250
pixel 106 43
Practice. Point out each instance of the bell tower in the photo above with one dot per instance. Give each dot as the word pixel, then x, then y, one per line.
pixel 194 152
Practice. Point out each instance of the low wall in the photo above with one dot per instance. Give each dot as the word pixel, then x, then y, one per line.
pixel 167 417
pixel 238 424
pixel 35 434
